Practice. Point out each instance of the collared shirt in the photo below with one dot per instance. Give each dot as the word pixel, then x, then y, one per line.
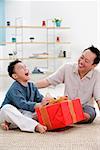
pixel 86 88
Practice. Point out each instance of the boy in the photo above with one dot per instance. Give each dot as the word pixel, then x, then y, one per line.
pixel 21 100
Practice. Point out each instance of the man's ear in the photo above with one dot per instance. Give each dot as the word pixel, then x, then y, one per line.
pixel 14 76
pixel 94 65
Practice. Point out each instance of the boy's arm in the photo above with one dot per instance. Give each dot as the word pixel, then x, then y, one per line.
pixel 18 100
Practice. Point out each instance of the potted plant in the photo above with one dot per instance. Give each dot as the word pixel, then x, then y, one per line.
pixel 57 22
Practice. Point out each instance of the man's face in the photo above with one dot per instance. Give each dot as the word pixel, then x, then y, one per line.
pixel 85 62
pixel 21 72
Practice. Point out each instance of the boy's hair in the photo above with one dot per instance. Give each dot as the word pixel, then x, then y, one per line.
pixel 11 67
pixel 96 52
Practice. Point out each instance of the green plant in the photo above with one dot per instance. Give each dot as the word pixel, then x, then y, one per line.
pixel 56 20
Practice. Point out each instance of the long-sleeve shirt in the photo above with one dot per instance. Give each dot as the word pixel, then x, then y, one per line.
pixel 23 97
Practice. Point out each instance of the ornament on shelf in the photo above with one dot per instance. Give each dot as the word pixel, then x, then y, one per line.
pixel 58 39
pixel 10 55
pixel 64 53
pixel 31 39
pixel 57 22
pixel 61 54
pixel 43 23
pixel 8 23
pixel 13 39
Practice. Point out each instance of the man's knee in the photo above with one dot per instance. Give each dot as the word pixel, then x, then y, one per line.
pixel 91 112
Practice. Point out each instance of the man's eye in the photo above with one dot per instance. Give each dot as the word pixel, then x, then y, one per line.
pixel 86 61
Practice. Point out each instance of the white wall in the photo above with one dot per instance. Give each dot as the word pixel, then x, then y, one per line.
pixel 81 16
pixel 98 22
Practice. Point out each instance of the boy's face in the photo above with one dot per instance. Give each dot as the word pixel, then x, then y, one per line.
pixel 21 72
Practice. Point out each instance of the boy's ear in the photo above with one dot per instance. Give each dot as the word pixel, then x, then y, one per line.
pixel 14 76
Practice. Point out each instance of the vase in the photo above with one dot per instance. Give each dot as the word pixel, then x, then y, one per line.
pixel 13 39
pixel 43 23
pixel 58 23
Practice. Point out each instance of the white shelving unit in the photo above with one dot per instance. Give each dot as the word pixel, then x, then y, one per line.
pixel 34 52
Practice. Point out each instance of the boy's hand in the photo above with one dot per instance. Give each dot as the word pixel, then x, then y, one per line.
pixel 45 101
pixel 37 105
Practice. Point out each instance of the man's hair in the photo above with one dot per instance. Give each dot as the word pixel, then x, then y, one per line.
pixel 12 66
pixel 96 52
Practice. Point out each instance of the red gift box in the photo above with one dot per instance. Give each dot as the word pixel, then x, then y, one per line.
pixel 60 114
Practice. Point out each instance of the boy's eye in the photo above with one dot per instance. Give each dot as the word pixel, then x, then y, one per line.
pixel 21 67
pixel 81 57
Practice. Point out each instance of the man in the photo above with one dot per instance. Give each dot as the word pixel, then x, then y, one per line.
pixel 81 80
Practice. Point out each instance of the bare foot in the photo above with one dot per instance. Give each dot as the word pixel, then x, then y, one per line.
pixel 5 125
pixel 40 128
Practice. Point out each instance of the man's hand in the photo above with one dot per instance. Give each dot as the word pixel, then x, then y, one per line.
pixel 98 102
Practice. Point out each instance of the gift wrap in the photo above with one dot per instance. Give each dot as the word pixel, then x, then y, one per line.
pixel 60 113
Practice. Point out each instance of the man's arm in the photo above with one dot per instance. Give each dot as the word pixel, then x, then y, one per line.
pixel 43 83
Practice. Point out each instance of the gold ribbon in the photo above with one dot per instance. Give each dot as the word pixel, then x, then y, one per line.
pixel 71 108
pixel 45 117
pixel 58 100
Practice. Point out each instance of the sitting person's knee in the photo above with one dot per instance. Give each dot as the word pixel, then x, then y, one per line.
pixel 6 107
pixel 89 113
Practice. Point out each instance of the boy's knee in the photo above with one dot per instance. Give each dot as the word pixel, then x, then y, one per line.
pixel 6 108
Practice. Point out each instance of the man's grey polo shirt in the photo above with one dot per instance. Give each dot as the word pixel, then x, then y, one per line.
pixel 86 88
